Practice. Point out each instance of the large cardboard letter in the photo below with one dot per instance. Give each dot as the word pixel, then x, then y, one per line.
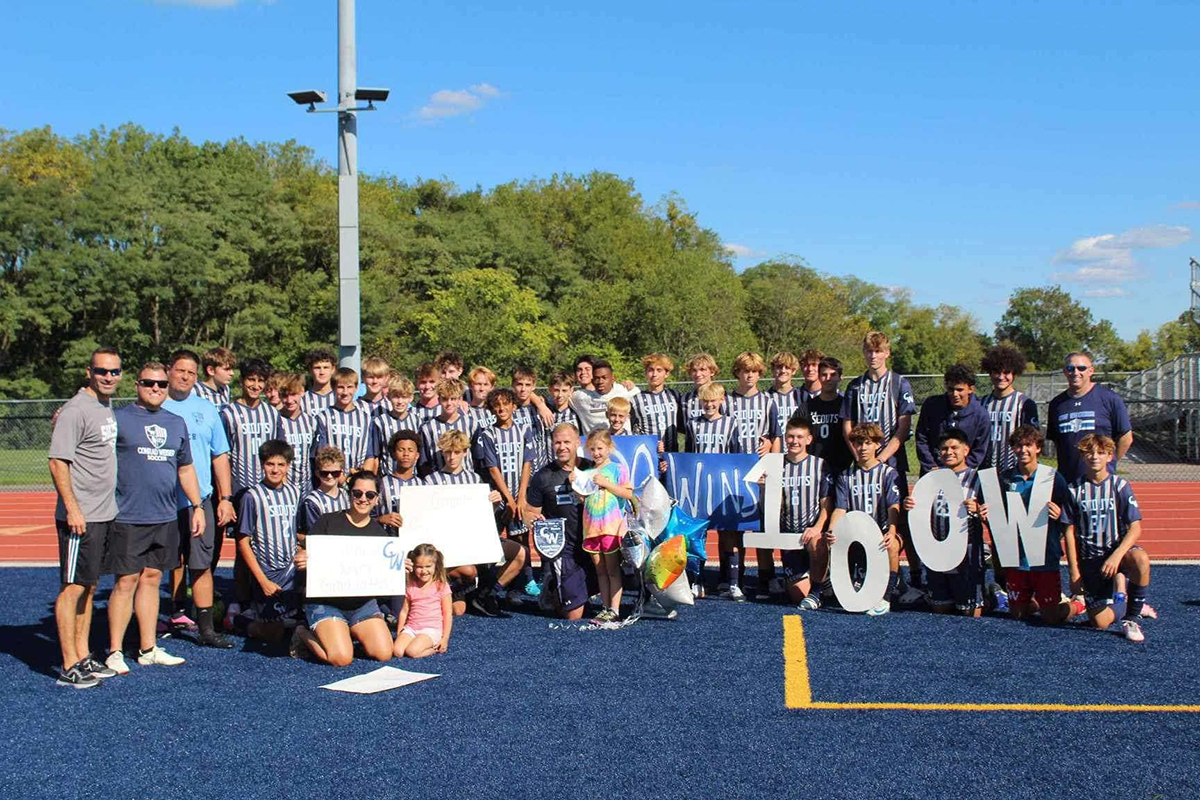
pixel 354 566
pixel 1028 524
pixel 945 555
pixel 858 526
pixel 457 520
pixel 770 465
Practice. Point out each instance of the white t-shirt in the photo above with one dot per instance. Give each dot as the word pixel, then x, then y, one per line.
pixel 590 405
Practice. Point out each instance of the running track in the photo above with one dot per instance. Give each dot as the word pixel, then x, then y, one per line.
pixel 1170 511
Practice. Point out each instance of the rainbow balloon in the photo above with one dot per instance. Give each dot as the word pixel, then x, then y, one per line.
pixel 666 562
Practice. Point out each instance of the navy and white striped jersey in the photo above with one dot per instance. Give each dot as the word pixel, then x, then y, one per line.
pixel 657 414
pixel 1101 513
pixel 873 491
pixel 757 418
pixel 805 484
pixel 689 407
pixel 483 418
pixel 389 492
pixel 268 517
pixel 383 428
pixel 348 431
pixel 1007 414
pixel 301 434
pixel 562 415
pixel 431 430
pixel 507 449
pixel 786 403
pixel 426 412
pixel 247 428
pixel 718 435
pixel 460 478
pixel 218 397
pixel 313 403
pixel 378 406
pixel 317 504
pixel 882 402
pixel 527 416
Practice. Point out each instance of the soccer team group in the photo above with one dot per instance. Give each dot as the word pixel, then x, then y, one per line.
pixel 154 486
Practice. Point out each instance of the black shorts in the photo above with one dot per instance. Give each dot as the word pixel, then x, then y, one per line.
pixel 132 548
pixel 795 564
pixel 569 571
pixel 1097 589
pixel 200 552
pixel 81 558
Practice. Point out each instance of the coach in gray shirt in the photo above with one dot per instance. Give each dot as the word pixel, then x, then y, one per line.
pixel 83 465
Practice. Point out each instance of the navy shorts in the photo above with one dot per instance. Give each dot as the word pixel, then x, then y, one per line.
pixel 81 558
pixel 284 603
pixel 319 612
pixel 132 548
pixel 1097 589
pixel 199 552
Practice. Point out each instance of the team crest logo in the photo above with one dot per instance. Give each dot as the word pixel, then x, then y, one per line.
pixel 549 536
pixel 157 436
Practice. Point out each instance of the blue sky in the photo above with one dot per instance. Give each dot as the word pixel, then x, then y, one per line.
pixel 960 150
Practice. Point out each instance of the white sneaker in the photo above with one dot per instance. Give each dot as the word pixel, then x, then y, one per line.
pixel 734 593
pixel 116 662
pixel 810 603
pixel 160 657
pixel 884 607
pixel 1132 631
pixel 696 590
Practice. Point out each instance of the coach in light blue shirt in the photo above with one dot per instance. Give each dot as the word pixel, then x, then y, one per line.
pixel 210 454
pixel 958 408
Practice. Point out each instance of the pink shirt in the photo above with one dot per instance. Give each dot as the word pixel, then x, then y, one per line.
pixel 425 605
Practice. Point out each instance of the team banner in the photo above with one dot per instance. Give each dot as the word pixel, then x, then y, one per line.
pixel 714 487
pixel 640 456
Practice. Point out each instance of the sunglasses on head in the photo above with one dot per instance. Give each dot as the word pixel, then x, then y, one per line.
pixel 102 371
pixel 359 494
pixel 330 473
pixel 150 383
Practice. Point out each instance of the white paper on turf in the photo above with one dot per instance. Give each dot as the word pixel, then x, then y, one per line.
pixel 1029 523
pixel 947 554
pixel 355 566
pixel 858 526
pixel 457 520
pixel 379 680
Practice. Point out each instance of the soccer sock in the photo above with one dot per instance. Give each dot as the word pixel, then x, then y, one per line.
pixel 1137 599
pixel 893 582
pixel 827 586
pixel 735 568
pixel 723 561
pixel 1119 605
pixel 204 620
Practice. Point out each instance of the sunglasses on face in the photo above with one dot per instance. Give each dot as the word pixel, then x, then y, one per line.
pixel 101 371
pixel 359 494
pixel 1075 368
pixel 149 383
pixel 330 473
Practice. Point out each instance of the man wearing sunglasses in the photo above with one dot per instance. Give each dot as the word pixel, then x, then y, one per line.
pixel 83 465
pixel 1085 407
pixel 154 457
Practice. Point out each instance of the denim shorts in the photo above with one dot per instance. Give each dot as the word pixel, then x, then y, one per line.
pixel 318 612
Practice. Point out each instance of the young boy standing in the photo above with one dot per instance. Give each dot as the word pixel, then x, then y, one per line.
pixel 561 387
pixel 481 381
pixel 1007 408
pixel 757 420
pixel 712 432
pixel 375 372
pixel 656 410
pixel 299 430
pixel 1103 526
pixel 871 486
pixel 810 369
pixel 216 366
pixel 617 412
pixel 702 369
pixel 788 398
pixel 427 406
pixel 956 409
pixel 249 423
pixel 449 395
pixel 807 500
pixel 346 424
pixel 398 417
pixel 529 412
pixel 320 364
pixel 405 447
pixel 825 413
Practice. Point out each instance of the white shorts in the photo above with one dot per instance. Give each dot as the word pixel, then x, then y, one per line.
pixel 433 633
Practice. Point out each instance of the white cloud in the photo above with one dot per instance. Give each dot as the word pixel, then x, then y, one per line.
pixel 447 103
pixel 1108 258
pixel 1106 291
pixel 739 250
pixel 1190 205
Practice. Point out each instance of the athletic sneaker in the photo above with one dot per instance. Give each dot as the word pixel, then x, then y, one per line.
pixel 157 656
pixel 884 607
pixel 116 662
pixel 733 592
pixel 1000 599
pixel 654 610
pixel 532 589
pixel 77 678
pixel 1148 611
pixel 214 639
pixel 810 603
pixel 97 669
pixel 180 621
pixel 697 590
pixel 606 615
pixel 1132 631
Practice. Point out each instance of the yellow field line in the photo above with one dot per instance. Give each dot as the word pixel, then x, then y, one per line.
pixel 797 690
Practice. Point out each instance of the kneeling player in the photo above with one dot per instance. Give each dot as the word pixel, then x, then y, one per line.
pixel 807 490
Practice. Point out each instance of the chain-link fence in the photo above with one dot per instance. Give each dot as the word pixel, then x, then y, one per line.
pixel 1164 406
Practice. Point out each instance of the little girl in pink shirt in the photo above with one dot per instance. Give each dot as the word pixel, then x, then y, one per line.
pixel 426 614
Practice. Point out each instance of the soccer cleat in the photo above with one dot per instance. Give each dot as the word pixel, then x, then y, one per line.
pixel 157 656
pixel 884 607
pixel 733 592
pixel 1132 631
pixel 215 640
pixel 77 678
pixel 605 615
pixel 810 603
pixel 116 662
pixel 1148 611
pixel 697 590
pixel 532 589
pixel 180 621
pixel 96 669
pixel 485 604
pixel 654 610
pixel 911 596
pixel 999 599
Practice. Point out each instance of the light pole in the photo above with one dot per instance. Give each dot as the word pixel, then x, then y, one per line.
pixel 349 337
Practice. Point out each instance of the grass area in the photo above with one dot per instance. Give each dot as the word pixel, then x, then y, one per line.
pixel 24 468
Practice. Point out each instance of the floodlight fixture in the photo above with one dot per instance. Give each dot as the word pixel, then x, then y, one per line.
pixel 308 98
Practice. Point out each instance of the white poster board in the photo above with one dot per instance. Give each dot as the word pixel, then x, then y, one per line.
pixel 947 554
pixel 354 566
pixel 858 526
pixel 380 680
pixel 1030 524
pixel 457 520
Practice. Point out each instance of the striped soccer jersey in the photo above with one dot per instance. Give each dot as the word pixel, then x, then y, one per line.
pixel 1101 513
pixel 383 428
pixel 300 433
pixel 805 484
pixel 218 397
pixel 379 406
pixel 431 430
pixel 268 517
pixel 807 394
pixel 786 403
pixel 389 492
pixel 872 490
pixel 527 416
pixel 317 504
pixel 1007 414
pixel 507 449
pixel 462 477
pixel 566 415
pixel 483 418
pixel 246 429
pixel 348 431
pixel 313 403
pixel 689 407
pixel 757 418
pixel 718 435
pixel 426 412
pixel 657 414
pixel 882 402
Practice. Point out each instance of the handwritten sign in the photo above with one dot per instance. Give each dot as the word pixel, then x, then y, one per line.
pixel 714 487
pixel 355 566
pixel 639 454
pixel 457 520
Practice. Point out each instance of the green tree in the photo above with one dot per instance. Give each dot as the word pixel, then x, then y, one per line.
pixel 1047 324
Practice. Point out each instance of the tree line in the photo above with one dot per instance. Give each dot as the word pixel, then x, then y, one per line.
pixel 149 242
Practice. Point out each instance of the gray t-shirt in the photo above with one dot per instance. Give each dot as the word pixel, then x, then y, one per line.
pixel 86 436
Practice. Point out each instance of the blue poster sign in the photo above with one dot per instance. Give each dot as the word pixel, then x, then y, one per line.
pixel 640 456
pixel 713 487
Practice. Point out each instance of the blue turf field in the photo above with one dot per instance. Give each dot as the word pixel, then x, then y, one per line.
pixel 659 709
